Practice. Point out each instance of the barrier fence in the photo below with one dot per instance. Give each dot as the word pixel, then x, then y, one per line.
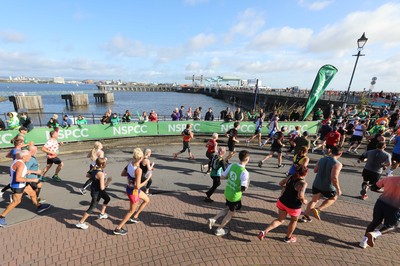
pixel 39 135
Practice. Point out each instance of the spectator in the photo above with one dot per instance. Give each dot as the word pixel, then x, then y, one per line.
pixel 189 113
pixel 106 119
pixel 153 116
pixel 238 115
pixel 2 125
pixel 143 118
pixel 224 113
pixel 229 117
pixel 294 115
pixel 175 115
pixel 197 114
pixel 26 121
pixel 209 115
pixel 127 117
pixel 181 112
pixel 81 121
pixel 114 119
pixel 53 123
pixel 66 122
pixel 13 121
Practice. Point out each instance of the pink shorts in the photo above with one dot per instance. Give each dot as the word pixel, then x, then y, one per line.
pixel 291 212
pixel 134 198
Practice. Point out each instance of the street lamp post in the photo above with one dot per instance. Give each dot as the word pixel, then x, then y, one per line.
pixel 360 42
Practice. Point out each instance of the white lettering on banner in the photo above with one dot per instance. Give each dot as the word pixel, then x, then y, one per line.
pixel 6 138
pixel 226 127
pixel 247 128
pixel 75 133
pixel 128 130
pixel 292 127
pixel 178 128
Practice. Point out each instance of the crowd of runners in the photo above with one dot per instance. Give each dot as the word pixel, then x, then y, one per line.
pixel 26 177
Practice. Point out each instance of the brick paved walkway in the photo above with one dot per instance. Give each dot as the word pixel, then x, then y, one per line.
pixel 173 231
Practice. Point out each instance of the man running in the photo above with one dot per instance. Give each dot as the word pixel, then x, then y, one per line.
pixel 232 140
pixel 377 161
pixel 257 133
pixel 386 210
pixel 325 185
pixel 187 137
pixel 276 147
pixel 238 181
pixel 18 184
pixel 51 149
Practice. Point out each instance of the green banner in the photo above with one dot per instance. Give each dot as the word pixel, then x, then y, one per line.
pixel 322 80
pixel 39 135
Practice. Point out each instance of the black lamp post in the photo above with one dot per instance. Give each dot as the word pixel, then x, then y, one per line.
pixel 360 42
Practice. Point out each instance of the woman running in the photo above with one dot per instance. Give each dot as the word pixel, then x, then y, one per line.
pixel 96 152
pixel 299 159
pixel 97 192
pixel 147 170
pixel 289 203
pixel 134 173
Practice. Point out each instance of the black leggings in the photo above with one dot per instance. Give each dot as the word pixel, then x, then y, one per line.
pixel 216 183
pixel 148 183
pixel 96 196
pixel 385 213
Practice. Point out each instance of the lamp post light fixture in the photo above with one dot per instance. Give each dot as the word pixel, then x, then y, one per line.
pixel 360 42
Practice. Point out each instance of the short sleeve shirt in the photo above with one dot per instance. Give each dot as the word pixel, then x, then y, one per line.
pixel 52 145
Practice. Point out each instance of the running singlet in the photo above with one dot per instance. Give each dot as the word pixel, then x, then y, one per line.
pixel 186 135
pixel 233 192
pixel 13 173
pixel 358 131
pixel 289 196
pixel 130 169
pixel 95 182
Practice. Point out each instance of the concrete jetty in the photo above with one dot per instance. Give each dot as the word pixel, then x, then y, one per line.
pixel 75 99
pixel 26 102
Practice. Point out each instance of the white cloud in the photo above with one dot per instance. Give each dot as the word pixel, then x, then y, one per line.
pixel 201 41
pixel 12 36
pixel 193 66
pixel 249 23
pixel 274 38
pixel 122 46
pixel 315 5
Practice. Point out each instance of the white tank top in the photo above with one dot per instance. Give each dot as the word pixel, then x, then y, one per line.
pixel 13 173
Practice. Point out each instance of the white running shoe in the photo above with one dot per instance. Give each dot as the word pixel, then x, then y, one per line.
pixel 83 226
pixel 221 232
pixel 103 216
pixel 363 243
pixel 211 223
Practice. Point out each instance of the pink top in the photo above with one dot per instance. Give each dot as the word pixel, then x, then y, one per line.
pixel 391 194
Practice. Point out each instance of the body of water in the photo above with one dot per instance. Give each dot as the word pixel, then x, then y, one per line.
pixel 136 102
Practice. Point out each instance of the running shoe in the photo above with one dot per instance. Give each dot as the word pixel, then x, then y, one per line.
pixel 191 158
pixel 208 200
pixel 56 178
pixel 43 207
pixel 134 220
pixel 1 194
pixel 291 239
pixel 3 221
pixel 364 187
pixel 260 163
pixel 102 216
pixel 202 168
pixel 40 200
pixel 83 226
pixel 305 219
pixel 371 238
pixel 317 214
pixel 121 231
pixel 82 191
pixel 221 232
pixel 261 235
pixel 281 165
pixel 363 243
pixel 364 197
pixel 41 178
pixel 211 223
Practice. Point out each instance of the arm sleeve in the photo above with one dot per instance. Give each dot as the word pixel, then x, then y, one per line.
pixel 225 173
pixel 244 179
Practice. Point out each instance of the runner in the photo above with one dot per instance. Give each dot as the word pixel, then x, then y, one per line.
pixel 217 165
pixel 386 210
pixel 187 137
pixel 276 147
pixel 332 139
pixel 232 140
pixel 294 134
pixel 289 203
pixel 97 192
pixel 373 140
pixel 18 172
pixel 257 133
pixel 395 156
pixel 356 139
pixel 147 171
pixel 34 172
pixel 299 159
pixel 326 184
pixel 238 182
pixel 133 172
pixel 51 149
pixel 94 154
pixel 377 161
pixel 323 131
pixel 273 127
pixel 212 147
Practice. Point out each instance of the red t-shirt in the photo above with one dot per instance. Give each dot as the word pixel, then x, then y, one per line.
pixel 211 145
pixel 332 138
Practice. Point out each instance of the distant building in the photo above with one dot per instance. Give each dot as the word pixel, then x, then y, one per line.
pixel 59 80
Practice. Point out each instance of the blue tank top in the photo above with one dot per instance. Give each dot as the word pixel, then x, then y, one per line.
pixel 130 186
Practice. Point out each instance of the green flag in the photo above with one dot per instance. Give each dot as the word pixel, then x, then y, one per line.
pixel 324 76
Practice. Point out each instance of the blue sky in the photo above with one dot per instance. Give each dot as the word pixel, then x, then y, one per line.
pixel 283 43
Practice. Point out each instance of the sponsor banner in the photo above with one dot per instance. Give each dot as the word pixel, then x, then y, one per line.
pixel 39 135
